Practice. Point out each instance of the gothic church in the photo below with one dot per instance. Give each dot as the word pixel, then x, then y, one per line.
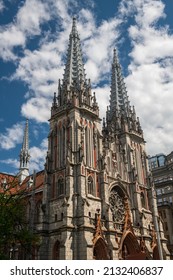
pixel 97 199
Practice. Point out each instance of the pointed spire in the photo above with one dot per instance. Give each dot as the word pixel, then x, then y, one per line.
pixel 74 69
pixel 25 145
pixel 24 153
pixel 118 99
pixel 24 156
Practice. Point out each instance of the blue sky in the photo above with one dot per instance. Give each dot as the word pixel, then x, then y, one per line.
pixel 33 42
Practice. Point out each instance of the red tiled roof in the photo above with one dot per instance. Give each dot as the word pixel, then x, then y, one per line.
pixel 10 182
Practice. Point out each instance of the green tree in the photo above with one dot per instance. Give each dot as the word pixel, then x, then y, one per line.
pixel 15 235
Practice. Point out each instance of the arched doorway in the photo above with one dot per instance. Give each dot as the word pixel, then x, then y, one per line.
pixel 156 253
pixel 131 249
pixel 56 251
pixel 100 250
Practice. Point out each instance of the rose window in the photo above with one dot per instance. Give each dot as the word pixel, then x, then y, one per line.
pixel 117 206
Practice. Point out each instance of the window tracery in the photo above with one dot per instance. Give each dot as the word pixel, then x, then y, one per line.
pixel 117 206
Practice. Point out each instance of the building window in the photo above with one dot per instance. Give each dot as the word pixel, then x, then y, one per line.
pixel 142 199
pixel 60 186
pixel 166 226
pixel 158 191
pixel 37 218
pixel 90 185
pixel 56 218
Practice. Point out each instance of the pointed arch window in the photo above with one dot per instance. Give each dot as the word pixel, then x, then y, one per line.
pixel 38 214
pixel 60 186
pixel 90 185
pixel 142 199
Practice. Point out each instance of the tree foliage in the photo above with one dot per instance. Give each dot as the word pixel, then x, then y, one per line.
pixel 16 238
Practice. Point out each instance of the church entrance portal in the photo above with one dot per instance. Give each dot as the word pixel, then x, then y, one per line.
pixel 100 250
pixel 131 249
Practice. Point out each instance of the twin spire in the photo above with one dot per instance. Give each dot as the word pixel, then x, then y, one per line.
pixel 118 98
pixel 75 89
pixel 74 69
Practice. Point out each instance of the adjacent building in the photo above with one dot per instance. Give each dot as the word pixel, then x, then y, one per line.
pixel 162 170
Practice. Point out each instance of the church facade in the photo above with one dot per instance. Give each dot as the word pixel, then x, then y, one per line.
pixel 97 198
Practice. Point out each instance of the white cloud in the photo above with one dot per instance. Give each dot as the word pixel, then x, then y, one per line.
pixel 41 68
pixel 11 162
pixel 102 97
pixel 27 23
pixel 99 49
pixel 12 136
pixel 10 37
pixel 37 160
pixel 38 156
pixel 150 83
pixel 1 6
pixel 37 108
pixel 31 15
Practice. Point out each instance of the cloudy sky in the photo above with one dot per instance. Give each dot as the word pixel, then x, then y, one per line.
pixel 33 42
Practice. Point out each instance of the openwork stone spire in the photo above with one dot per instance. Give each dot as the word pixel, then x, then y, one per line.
pixel 75 89
pixel 120 115
pixel 118 98
pixel 74 69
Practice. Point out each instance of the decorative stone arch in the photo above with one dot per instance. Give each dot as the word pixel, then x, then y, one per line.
pixel 56 251
pixel 100 251
pixel 130 248
pixel 120 188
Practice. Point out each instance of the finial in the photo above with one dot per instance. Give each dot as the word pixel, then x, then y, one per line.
pixel 74 29
pixel 54 97
pixel 115 57
pixel 25 145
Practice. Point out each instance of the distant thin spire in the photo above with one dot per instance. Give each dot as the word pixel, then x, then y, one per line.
pixel 24 153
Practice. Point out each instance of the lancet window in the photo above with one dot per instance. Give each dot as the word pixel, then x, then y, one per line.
pixel 60 186
pixel 90 185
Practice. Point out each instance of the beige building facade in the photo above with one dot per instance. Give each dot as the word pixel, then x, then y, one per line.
pixel 98 200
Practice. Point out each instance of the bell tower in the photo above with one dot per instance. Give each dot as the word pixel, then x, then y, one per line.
pixel 74 151
pixel 97 196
